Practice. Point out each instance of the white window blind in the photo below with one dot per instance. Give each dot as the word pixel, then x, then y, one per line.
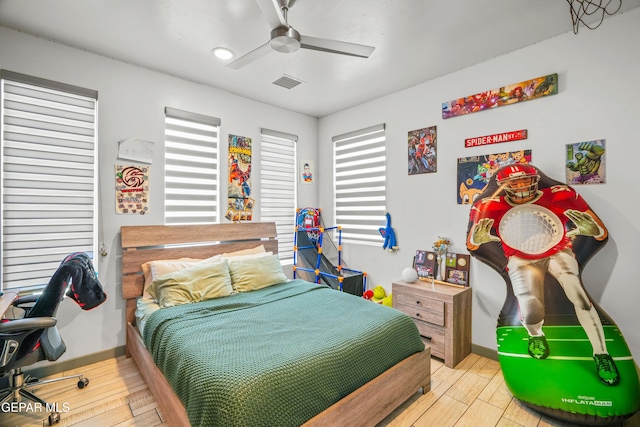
pixel 360 184
pixel 49 177
pixel 278 187
pixel 191 168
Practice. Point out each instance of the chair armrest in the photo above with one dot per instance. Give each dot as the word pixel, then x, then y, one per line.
pixel 26 324
pixel 27 299
pixel 25 303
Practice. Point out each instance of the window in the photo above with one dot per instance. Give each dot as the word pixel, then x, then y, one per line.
pixel 360 184
pixel 191 168
pixel 49 177
pixel 278 187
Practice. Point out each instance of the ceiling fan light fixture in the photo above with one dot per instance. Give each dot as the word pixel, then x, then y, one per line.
pixel 285 39
pixel 223 53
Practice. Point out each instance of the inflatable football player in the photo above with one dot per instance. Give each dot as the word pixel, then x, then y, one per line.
pixel 538 234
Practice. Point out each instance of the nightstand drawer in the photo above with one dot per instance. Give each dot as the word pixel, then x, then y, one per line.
pixel 442 314
pixel 432 336
pixel 420 307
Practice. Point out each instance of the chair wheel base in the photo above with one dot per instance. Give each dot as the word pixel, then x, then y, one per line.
pixel 54 418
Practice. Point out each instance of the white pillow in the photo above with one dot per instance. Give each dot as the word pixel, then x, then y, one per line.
pixel 250 251
pixel 255 273
pixel 201 282
pixel 244 257
pixel 154 269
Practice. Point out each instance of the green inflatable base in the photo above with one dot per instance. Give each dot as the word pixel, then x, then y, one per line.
pixel 565 385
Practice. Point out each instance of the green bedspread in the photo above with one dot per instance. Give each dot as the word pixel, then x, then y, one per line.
pixel 276 356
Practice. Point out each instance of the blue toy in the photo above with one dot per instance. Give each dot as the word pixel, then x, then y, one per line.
pixel 389 235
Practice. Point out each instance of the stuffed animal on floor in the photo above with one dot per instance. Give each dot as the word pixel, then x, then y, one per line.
pixel 388 300
pixel 378 294
pixel 560 353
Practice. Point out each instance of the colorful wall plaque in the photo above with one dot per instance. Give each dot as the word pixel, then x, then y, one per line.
pixel 514 135
pixel 506 95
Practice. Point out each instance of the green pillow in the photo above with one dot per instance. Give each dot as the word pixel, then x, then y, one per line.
pixel 200 282
pixel 256 273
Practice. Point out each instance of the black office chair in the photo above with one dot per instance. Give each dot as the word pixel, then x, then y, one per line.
pixel 34 337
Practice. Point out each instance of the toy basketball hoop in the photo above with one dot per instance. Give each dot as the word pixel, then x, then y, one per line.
pixel 309 219
pixel 587 12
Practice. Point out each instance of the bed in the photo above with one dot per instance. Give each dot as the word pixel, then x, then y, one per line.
pixel 369 376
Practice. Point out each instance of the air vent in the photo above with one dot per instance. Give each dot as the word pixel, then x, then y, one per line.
pixel 287 82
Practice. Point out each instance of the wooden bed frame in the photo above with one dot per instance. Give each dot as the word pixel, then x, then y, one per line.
pixel 366 406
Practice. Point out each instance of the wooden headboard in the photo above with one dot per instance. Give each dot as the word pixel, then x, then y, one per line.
pixel 145 243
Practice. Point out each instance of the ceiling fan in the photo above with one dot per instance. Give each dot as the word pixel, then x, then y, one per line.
pixel 286 39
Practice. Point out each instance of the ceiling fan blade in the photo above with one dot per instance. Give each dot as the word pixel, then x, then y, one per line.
pixel 271 10
pixel 250 57
pixel 335 46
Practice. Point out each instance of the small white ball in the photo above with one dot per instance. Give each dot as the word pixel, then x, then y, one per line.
pixel 409 275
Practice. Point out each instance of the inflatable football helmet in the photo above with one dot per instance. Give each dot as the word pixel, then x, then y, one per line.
pixel 520 182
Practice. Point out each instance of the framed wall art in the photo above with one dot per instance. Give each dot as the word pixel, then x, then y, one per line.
pixel 422 150
pixel 585 162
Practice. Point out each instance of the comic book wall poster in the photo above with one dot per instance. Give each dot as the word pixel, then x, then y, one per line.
pixel 585 162
pixel 132 189
pixel 506 95
pixel 474 172
pixel 422 153
pixel 240 209
pixel 240 205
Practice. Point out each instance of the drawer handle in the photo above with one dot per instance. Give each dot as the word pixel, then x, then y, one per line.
pixel 417 314
pixel 427 338
pixel 418 302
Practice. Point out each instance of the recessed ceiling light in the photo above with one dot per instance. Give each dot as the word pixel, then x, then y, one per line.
pixel 223 53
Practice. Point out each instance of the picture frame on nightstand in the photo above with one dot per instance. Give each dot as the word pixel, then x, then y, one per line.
pixel 456 270
pixel 425 264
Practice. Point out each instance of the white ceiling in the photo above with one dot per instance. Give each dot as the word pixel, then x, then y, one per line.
pixel 415 40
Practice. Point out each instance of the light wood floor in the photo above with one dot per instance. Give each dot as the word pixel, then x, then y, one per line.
pixel 472 394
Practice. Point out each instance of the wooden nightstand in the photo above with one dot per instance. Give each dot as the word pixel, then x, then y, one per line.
pixel 442 314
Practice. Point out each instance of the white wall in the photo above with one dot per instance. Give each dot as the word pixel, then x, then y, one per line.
pixel 131 103
pixel 598 99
